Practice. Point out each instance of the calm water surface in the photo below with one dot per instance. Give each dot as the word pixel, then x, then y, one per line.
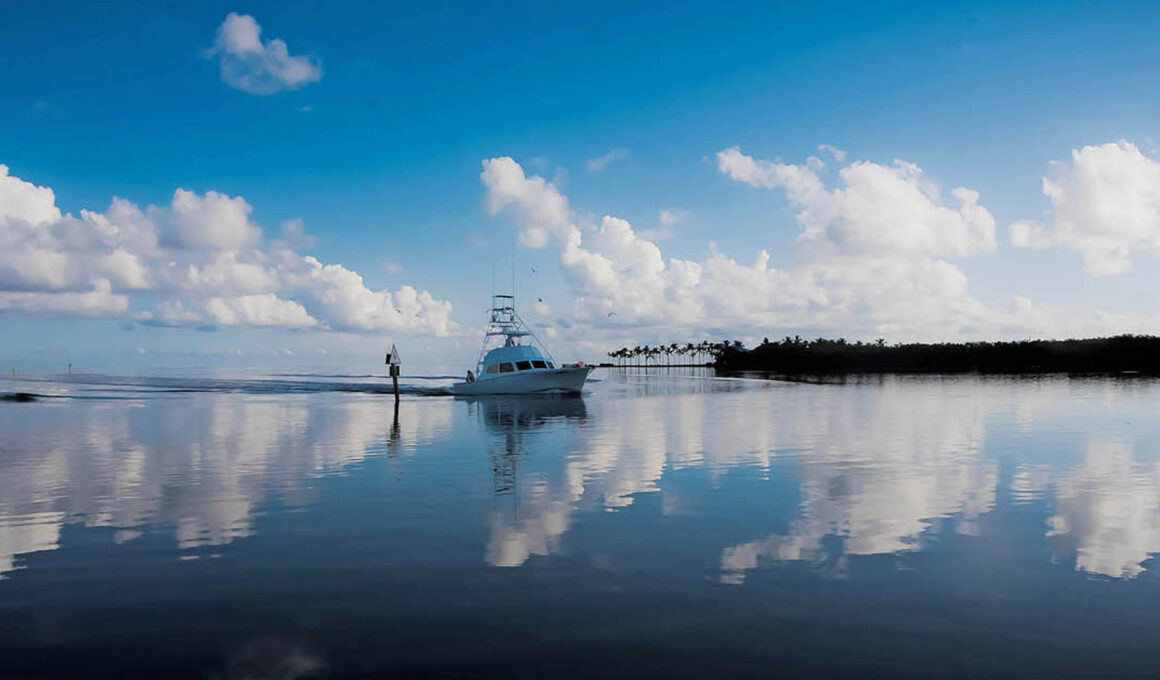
pixel 664 525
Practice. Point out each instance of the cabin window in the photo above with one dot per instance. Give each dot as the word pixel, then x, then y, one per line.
pixel 494 368
pixel 539 364
pixel 551 365
pixel 524 365
pixel 506 368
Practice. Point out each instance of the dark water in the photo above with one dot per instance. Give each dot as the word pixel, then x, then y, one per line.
pixel 661 526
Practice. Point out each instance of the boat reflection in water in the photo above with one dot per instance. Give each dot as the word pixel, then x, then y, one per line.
pixel 537 514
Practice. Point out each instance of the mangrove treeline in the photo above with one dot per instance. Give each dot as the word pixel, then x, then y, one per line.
pixel 1120 354
pixel 796 356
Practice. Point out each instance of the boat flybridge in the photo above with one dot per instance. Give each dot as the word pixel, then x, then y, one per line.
pixel 512 360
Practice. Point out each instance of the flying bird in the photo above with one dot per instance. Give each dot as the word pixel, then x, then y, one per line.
pixel 539 299
pixel 534 270
pixel 611 314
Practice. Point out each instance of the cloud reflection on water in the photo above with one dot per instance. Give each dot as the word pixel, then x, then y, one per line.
pixel 202 465
pixel 879 470
pixel 1107 511
pixel 535 526
pixel 879 464
pixel 876 467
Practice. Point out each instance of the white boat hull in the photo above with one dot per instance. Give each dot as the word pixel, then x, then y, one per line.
pixel 568 380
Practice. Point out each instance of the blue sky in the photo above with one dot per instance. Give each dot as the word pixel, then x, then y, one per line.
pixel 379 155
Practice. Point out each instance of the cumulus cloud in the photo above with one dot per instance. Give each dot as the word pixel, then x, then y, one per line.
pixel 538 207
pixel 869 254
pixel 211 222
pixel 800 182
pixel 25 201
pixel 599 163
pixel 43 250
pixel 265 309
pixel 200 260
pixel 875 256
pixel 887 209
pixel 1105 205
pixel 257 67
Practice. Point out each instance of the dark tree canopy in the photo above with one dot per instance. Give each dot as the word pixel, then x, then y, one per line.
pixel 1119 354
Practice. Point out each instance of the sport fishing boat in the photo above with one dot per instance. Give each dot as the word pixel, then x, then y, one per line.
pixel 512 360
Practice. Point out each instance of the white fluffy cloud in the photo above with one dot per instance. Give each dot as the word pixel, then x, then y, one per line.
pixel 868 255
pixel 265 309
pixel 25 201
pixel 539 208
pixel 41 250
pixel 211 222
pixel 881 209
pixel 257 67
pixel 874 257
pixel 201 260
pixel 1105 205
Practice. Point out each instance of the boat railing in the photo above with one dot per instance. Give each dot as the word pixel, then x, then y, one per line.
pixel 503 321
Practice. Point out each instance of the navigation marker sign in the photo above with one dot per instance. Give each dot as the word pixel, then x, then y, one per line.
pixel 395 364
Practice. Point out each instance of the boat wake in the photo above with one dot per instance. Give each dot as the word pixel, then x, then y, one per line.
pixel 100 386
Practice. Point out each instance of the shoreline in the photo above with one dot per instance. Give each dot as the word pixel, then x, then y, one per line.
pixel 1124 355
